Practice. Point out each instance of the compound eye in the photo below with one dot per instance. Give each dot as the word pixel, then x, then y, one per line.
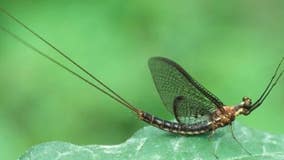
pixel 247 101
pixel 245 98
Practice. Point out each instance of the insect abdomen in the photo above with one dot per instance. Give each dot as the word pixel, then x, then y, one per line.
pixel 174 127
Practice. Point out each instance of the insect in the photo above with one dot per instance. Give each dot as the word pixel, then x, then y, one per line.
pixel 196 109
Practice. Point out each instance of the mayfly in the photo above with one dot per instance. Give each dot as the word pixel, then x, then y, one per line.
pixel 196 109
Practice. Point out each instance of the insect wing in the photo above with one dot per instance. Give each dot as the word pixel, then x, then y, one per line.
pixel 183 96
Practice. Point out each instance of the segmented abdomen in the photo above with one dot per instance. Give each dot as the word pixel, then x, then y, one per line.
pixel 175 127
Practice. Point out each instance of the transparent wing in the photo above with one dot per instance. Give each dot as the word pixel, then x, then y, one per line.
pixel 186 110
pixel 183 96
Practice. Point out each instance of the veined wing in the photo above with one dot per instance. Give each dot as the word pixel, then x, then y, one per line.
pixel 183 96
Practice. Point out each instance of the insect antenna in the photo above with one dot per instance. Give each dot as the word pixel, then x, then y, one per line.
pixel 112 93
pixel 269 87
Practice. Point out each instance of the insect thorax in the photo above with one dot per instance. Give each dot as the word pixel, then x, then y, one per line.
pixel 223 116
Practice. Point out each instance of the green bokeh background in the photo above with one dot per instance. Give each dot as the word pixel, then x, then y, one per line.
pixel 232 47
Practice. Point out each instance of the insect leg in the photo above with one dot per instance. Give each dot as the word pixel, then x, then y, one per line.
pixel 235 138
pixel 269 87
pixel 214 150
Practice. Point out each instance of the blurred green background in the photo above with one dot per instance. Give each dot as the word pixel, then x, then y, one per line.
pixel 232 47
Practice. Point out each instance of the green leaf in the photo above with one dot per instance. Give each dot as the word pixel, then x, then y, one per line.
pixel 151 143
